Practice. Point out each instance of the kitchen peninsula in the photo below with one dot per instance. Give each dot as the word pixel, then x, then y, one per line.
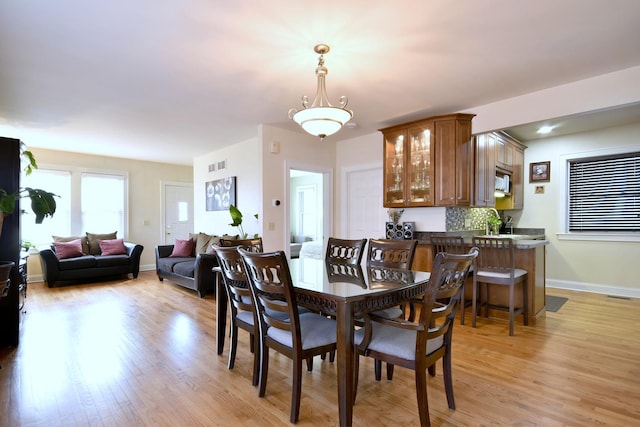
pixel 530 255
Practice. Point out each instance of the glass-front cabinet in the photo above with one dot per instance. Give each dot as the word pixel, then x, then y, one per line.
pixel 409 163
pixel 426 160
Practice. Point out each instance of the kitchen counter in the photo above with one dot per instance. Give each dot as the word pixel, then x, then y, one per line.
pixel 530 256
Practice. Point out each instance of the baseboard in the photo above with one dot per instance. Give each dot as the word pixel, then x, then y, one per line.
pixel 594 288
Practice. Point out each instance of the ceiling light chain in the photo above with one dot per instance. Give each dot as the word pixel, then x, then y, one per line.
pixel 321 118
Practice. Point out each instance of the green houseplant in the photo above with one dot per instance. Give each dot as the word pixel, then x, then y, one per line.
pixel 43 202
pixel 236 217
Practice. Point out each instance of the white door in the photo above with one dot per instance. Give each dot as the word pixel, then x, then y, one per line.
pixel 365 215
pixel 178 212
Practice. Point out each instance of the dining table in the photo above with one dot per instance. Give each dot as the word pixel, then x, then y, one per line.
pixel 345 292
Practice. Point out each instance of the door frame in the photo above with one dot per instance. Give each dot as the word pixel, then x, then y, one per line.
pixel 327 200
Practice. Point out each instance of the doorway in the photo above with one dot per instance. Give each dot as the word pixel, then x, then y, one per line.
pixel 308 217
pixel 177 212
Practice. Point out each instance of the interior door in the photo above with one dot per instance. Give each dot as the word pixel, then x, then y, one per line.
pixel 178 212
pixel 365 216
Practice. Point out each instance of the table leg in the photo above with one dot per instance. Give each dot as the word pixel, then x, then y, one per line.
pixel 221 313
pixel 344 319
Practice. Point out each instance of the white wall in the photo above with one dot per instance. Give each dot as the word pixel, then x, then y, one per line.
pixel 243 161
pixel 579 264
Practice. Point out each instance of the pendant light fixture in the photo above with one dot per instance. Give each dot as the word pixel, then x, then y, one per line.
pixel 321 118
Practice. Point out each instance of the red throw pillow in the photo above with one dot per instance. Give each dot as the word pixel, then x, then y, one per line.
pixel 112 247
pixel 70 249
pixel 182 248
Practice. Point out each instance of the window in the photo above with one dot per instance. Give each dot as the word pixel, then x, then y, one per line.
pixel 92 201
pixel 604 193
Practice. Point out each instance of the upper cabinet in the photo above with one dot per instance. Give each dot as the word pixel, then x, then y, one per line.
pixel 499 165
pixel 429 162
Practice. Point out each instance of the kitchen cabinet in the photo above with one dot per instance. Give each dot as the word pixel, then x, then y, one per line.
pixel 498 155
pixel 515 197
pixel 428 162
pixel 485 170
pixel 504 152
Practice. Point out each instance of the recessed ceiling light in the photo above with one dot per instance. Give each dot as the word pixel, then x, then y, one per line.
pixel 545 129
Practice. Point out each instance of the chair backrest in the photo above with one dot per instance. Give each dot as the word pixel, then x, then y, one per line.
pixel 252 245
pixel 441 299
pixel 344 250
pixel 391 253
pixel 448 244
pixel 272 288
pixel 496 255
pixel 234 278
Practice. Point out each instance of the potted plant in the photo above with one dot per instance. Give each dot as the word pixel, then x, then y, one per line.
pixel 236 217
pixel 43 203
pixel 494 224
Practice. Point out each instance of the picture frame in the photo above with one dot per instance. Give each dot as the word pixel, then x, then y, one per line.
pixel 220 194
pixel 539 172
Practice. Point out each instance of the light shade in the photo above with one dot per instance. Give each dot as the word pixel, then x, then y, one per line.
pixel 321 118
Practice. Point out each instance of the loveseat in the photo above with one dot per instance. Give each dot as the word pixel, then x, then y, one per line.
pixel 189 263
pixel 73 259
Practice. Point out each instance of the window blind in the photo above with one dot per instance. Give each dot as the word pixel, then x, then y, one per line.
pixel 604 194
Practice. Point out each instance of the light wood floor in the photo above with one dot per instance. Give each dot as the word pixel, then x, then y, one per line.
pixel 142 353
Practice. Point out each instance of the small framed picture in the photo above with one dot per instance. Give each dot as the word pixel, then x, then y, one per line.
pixel 539 172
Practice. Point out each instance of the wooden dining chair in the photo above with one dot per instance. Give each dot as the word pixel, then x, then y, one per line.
pixel 300 337
pixel 453 245
pixel 419 345
pixel 348 251
pixel 496 266
pixel 242 312
pixel 391 254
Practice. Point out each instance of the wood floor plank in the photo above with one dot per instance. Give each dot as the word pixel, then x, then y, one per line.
pixel 142 353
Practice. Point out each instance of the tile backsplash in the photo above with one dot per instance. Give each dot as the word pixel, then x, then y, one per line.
pixel 458 219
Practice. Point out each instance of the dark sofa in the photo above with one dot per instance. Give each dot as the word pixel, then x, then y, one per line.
pixel 58 272
pixel 195 271
pixel 192 272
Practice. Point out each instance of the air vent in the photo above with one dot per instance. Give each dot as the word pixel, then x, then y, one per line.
pixel 212 167
pixel 222 165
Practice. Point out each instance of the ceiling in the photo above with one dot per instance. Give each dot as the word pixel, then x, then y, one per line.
pixel 167 81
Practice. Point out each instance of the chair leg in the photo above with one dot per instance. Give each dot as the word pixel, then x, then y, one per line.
pixel 432 370
pixel 525 299
pixel 264 370
pixel 511 308
pixel 233 345
pixel 474 303
pixel 296 390
pixel 448 379
pixel 256 363
pixel 421 394
pixel 463 304
pixel 377 367
pixel 332 356
pixel 389 371
pixel 310 364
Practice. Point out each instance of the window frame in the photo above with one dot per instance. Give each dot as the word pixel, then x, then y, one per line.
pixel 563 232
pixel 76 195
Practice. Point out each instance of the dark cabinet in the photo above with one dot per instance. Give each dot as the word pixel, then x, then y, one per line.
pixel 10 243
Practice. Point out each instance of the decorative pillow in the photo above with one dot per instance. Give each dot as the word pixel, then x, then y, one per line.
pixel 112 247
pixel 94 241
pixel 203 242
pixel 70 249
pixel 83 240
pixel 182 248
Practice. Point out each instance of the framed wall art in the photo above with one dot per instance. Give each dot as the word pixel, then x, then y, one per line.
pixel 220 194
pixel 540 172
